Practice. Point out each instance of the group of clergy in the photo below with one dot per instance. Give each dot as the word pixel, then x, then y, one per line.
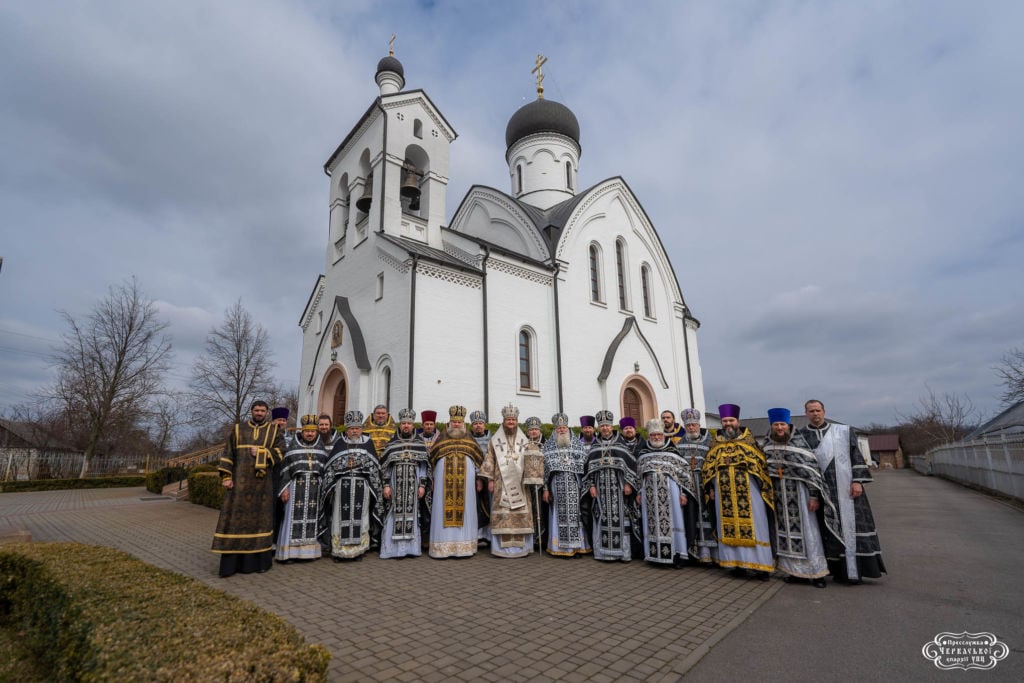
pixel 681 495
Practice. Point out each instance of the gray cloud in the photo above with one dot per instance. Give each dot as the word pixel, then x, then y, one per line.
pixel 835 183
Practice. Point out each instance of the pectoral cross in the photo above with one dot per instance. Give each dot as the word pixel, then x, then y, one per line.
pixel 541 60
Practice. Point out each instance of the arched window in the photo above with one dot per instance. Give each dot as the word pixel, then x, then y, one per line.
pixel 568 175
pixel 595 273
pixel 519 178
pixel 645 284
pixel 526 361
pixel 386 382
pixel 417 128
pixel 381 391
pixel 620 267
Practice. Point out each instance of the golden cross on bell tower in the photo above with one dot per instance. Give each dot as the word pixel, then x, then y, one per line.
pixel 541 59
pixel 391 46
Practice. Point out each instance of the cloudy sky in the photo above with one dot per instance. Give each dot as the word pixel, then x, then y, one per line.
pixel 834 182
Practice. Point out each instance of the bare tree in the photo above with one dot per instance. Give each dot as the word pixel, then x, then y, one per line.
pixel 286 397
pixel 1011 374
pixel 939 420
pixel 234 369
pixel 111 364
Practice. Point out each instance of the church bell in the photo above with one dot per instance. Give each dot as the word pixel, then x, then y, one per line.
pixel 364 202
pixel 411 189
pixel 411 186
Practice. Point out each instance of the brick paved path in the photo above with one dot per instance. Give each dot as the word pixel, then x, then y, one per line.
pixel 422 619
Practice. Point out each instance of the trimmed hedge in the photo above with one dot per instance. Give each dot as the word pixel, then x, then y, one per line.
pixel 158 479
pixel 204 488
pixel 64 484
pixel 95 614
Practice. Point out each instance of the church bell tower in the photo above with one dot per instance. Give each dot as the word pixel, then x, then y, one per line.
pixel 390 173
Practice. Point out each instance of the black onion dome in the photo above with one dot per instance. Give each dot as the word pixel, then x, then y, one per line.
pixel 542 116
pixel 390 64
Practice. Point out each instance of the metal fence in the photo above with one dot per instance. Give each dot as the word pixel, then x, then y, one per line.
pixel 31 463
pixel 996 463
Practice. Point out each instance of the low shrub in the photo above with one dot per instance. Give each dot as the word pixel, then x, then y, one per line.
pixel 204 488
pixel 158 479
pixel 89 614
pixel 65 484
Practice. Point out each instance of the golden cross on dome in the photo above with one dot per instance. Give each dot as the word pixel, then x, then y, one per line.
pixel 541 60
pixel 391 46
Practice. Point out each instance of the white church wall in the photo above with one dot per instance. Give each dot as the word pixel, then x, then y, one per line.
pixel 518 297
pixel 605 220
pixel 449 329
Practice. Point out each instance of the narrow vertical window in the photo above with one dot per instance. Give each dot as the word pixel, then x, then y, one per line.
pixel 525 360
pixel 645 284
pixel 568 175
pixel 519 178
pixel 595 273
pixel 387 388
pixel 380 286
pixel 620 266
pixel 417 128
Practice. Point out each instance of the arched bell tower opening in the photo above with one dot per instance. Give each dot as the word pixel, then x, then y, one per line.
pixel 333 397
pixel 637 400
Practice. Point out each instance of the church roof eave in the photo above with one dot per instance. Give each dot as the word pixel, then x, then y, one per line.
pixel 420 91
pixel 306 311
pixel 362 119
pixel 498 249
pixel 547 222
pixel 428 253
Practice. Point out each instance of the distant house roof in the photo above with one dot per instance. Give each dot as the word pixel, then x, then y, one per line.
pixel 1010 421
pixel 884 442
pixel 31 435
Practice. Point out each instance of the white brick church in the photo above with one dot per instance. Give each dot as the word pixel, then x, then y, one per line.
pixel 549 296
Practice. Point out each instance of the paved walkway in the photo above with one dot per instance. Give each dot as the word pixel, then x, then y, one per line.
pixel 953 556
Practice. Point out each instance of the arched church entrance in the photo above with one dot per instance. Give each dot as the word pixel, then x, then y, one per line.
pixel 333 398
pixel 637 400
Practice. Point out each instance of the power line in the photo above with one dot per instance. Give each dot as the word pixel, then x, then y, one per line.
pixel 41 354
pixel 30 336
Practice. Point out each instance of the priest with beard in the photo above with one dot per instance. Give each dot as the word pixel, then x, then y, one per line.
pixel 800 492
pixel 627 433
pixel 325 427
pixel 428 428
pixel 455 459
pixel 301 475
pixel 512 465
pixel 479 432
pixel 666 489
pixel 404 466
pixel 564 463
pixel 379 427
pixel 610 477
pixel 673 430
pixel 693 445
pixel 245 529
pixel 533 431
pixel 735 478
pixel 842 466
pixel 351 503
pixel 587 437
